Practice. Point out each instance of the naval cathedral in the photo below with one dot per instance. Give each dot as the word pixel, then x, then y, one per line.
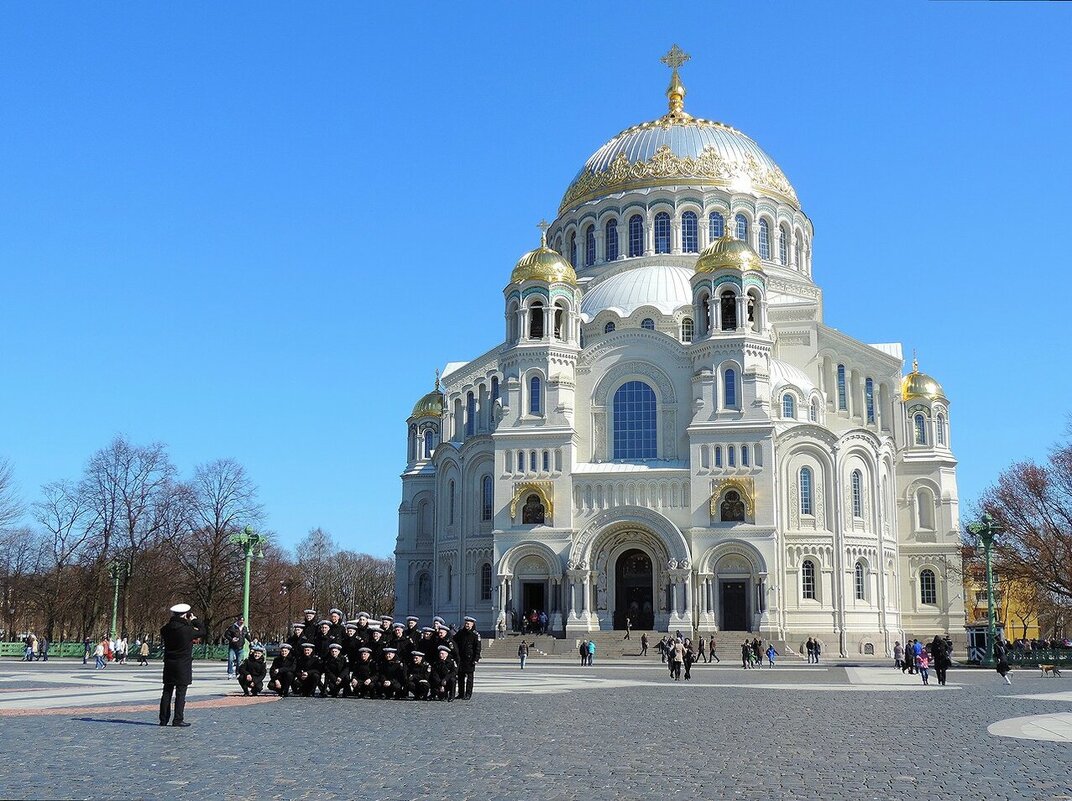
pixel 667 432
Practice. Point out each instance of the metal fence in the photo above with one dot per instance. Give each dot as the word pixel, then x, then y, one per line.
pixel 76 649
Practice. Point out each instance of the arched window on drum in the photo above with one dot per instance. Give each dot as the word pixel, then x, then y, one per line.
pixel 716 226
pixel 610 243
pixel 662 232
pixel 636 235
pixel 690 239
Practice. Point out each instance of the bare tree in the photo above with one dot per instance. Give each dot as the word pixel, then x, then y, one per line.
pixel 62 511
pixel 20 560
pixel 10 504
pixel 220 501
pixel 1033 503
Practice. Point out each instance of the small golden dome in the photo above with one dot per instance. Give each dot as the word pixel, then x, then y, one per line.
pixel 727 252
pixel 431 405
pixel 544 264
pixel 920 385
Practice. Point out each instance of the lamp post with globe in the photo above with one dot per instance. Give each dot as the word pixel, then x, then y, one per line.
pixel 252 545
pixel 984 532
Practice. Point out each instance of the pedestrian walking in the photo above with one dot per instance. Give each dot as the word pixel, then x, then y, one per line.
pixel 1001 662
pixel 688 658
pixel 42 652
pixel 701 651
pixel 711 648
pixel 643 644
pixel 177 636
pixel 940 659
pixel 143 653
pixel 98 654
pixel 523 653
pixel 591 652
pixel 818 651
pixel 924 664
pixel 628 625
pixel 87 650
pixel 582 649
pixel 771 653
pixel 746 655
pixel 809 646
pixel 677 659
pixel 898 655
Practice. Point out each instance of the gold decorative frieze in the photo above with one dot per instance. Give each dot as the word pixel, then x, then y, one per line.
pixel 523 490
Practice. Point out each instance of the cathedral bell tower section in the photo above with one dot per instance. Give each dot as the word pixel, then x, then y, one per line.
pixel 534 439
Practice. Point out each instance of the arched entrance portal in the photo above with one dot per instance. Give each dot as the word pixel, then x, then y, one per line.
pixel 634 587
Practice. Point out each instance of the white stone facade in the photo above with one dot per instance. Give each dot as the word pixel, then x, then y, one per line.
pixel 859 552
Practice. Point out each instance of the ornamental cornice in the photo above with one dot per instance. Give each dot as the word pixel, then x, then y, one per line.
pixel 629 336
pixel 807 290
pixel 665 167
pixel 858 436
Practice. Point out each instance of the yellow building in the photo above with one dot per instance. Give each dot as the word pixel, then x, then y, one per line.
pixel 1015 603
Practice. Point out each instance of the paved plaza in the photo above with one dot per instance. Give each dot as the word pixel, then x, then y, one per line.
pixel 554 731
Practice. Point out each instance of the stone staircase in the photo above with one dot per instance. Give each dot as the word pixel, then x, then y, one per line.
pixel 612 645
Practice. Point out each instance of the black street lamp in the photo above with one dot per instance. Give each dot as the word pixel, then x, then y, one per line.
pixel 984 532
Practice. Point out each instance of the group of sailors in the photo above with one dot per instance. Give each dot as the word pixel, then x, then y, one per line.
pixel 363 659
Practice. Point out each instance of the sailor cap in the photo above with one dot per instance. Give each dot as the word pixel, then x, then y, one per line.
pixel 257 648
pixel 364 650
pixel 444 649
pixel 307 645
pixel 350 626
pixel 363 615
pixel 386 617
pixel 324 623
pixel 469 619
pixel 283 645
pixel 399 625
pixel 181 609
pixel 335 611
pixel 417 653
pixel 299 625
pixel 334 645
pixel 427 629
pixel 414 618
pixel 390 650
pixel 309 612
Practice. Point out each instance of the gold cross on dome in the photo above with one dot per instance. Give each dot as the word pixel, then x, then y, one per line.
pixel 675 57
pixel 543 225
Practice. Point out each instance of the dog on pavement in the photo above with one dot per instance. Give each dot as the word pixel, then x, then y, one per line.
pixel 1051 669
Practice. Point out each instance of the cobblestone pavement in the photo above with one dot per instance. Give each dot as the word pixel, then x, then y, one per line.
pixel 553 731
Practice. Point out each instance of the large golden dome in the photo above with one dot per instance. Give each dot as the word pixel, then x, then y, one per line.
pixel 678 149
pixel 920 385
pixel 544 264
pixel 728 253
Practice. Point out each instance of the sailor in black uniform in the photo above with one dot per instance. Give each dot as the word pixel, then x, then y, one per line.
pixel 296 638
pixel 252 671
pixel 363 632
pixel 336 673
pixel 363 674
pixel 392 678
pixel 284 667
pixel 419 678
pixel 387 625
pixel 467 643
pixel 444 675
pixel 413 630
pixel 309 670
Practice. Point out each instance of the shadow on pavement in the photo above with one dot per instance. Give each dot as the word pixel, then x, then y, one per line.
pixel 116 720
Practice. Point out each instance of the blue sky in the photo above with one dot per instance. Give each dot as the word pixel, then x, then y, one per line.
pixel 255 231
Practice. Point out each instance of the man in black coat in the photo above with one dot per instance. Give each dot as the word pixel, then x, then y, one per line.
pixel 177 636
pixel 335 619
pixel 283 670
pixel 252 671
pixel 413 630
pixel 467 643
pixel 297 638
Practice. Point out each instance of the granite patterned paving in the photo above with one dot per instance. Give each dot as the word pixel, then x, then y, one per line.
pixel 553 731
